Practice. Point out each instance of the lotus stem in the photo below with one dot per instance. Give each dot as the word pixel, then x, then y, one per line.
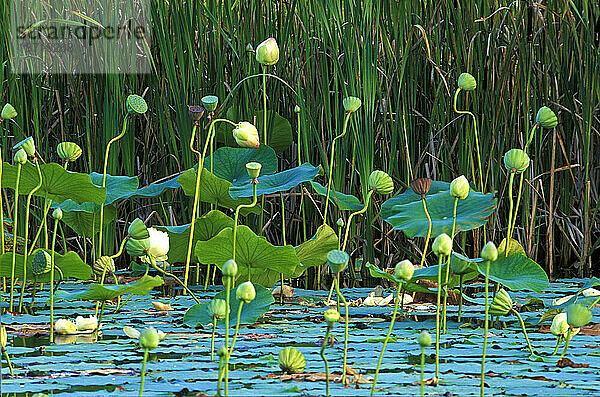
pixel 594 304
pixel 524 330
pixel 212 339
pixel 401 299
pixel 428 231
pixel 301 189
pixel 226 366
pixel 52 283
pixel 12 373
pixel 237 214
pixel 14 247
pixel 104 179
pixel 460 299
pixel 344 130
pixel 207 277
pixel 322 353
pixel 567 340
pixel 485 328
pixel 284 242
pixel 237 328
pixel 221 373
pixel 386 340
pixel 29 196
pixel 422 370
pixel 510 210
pixel 337 289
pixel 166 273
pixel 437 320
pixel 123 242
pixel 364 208
pixel 448 265
pixel 143 372
pixel 558 340
pixel 476 137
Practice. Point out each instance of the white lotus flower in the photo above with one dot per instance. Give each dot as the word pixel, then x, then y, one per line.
pixel 559 327
pixel 159 244
pixel 86 323
pixel 65 327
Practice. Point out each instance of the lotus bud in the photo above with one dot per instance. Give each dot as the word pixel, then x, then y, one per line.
pixel 136 105
pixel 159 244
pixel 86 323
pixel 137 247
pixel 195 112
pixel 267 52
pixel 467 82
pixel 351 104
pixel 291 360
pixel 516 160
pixel 3 337
pixel 65 327
pixel 332 316
pixel 489 252
pixel 149 338
pixel 546 117
pixel 210 102
pixel 217 308
pixel 28 145
pixel 459 187
pixel 442 245
pixel 245 292
pixel 296 109
pixel 560 326
pixel 222 351
pixel 57 214
pixel 502 304
pixel 8 112
pixel 246 135
pixel 104 262
pixel 424 339
pixel 20 157
pixel 41 262
pixel 253 169
pixel 230 268
pixel 337 260
pixel 381 182
pixel 578 315
pixel 138 230
pixel 404 270
pixel 421 186
pixel 340 222
pixel 69 151
pixel 249 48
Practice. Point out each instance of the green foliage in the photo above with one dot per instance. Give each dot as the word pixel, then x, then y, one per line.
pixel 99 292
pixel 517 272
pixel 279 182
pixel 69 264
pixel 229 163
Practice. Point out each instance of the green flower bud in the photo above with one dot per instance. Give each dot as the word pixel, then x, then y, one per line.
pixel 217 308
pixel 340 222
pixel 253 169
pixel 102 263
pixel 210 102
pixel 149 338
pixel 138 230
pixel 291 360
pixel 137 247
pixel 502 304
pixel 421 186
pixel 332 316
pixel 404 270
pixel 222 351
pixel 136 105
pixel 69 151
pixel 546 117
pixel 467 82
pixel 489 252
pixel 230 268
pixel 296 109
pixel 249 48
pixel 381 182
pixel 57 214
pixel 578 315
pixel 337 260
pixel 351 104
pixel 195 112
pixel 516 160
pixel 459 187
pixel 442 245
pixel 424 339
pixel 28 145
pixel 267 52
pixel 560 326
pixel 3 337
pixel 41 262
pixel 20 157
pixel 246 135
pixel 245 292
pixel 8 112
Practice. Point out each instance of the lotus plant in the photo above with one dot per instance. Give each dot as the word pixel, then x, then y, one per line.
pixel 331 317
pixel 229 270
pixel 217 310
pixel 253 170
pixel 560 329
pixel 149 339
pixel 267 54
pixel 516 161
pixel 291 360
pixel 502 305
pixel 20 158
pixel 337 261
pixel 424 340
pixel 421 187
pixel 8 112
pixel 578 315
pixel 489 253
pixel 442 247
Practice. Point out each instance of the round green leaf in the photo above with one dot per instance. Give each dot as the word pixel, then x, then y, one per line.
pixel 229 163
pixel 517 272
pixel 280 182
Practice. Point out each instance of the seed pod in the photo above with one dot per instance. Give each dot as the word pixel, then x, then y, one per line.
pixel 424 339
pixel 546 117
pixel 421 186
pixel 28 145
pixel 459 187
pixel 502 304
pixel 489 252
pixel 332 316
pixel 337 260
pixel 245 292
pixel 246 135
pixel 104 262
pixel 20 157
pixel 516 160
pixel 137 247
pixel 195 112
pixel 217 308
pixel 381 182
pixel 560 326
pixel 291 360
pixel 68 151
pixel 230 268
pixel 253 169
pixel 210 102
pixel 578 315
pixel 136 105
pixel 467 82
pixel 149 338
pixel 138 230
pixel 442 245
pixel 57 214
pixel 8 112
pixel 351 104
pixel 404 270
pixel 41 262
pixel 267 52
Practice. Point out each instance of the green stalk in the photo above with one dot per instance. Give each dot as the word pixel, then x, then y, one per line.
pixel 510 208
pixel 567 340
pixel 237 214
pixel 448 265
pixel 264 83
pixel 557 345
pixel 476 137
pixel 428 231
pixel 284 242
pixel 104 270
pixel 301 189
pixel 14 248
pixel 226 367
pixel 460 299
pixel 322 353
pixel 364 208
pixel 143 372
pixel 52 283
pixel 221 372
pixel 212 339
pixel 337 289
pixel 344 130
pixel 485 329
pixel 104 179
pixel 207 277
pixel 8 362
pixel 166 273
pixel 437 320
pixel 524 330
pixel 422 370
pixel 29 196
pixel 386 340
pixel 237 328
pixel 2 218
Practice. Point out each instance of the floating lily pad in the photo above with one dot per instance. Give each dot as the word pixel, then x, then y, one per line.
pixel 517 272
pixel 70 265
pixel 229 163
pixel 345 202
pixel 314 251
pixel 105 292
pixel 405 212
pixel 280 182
